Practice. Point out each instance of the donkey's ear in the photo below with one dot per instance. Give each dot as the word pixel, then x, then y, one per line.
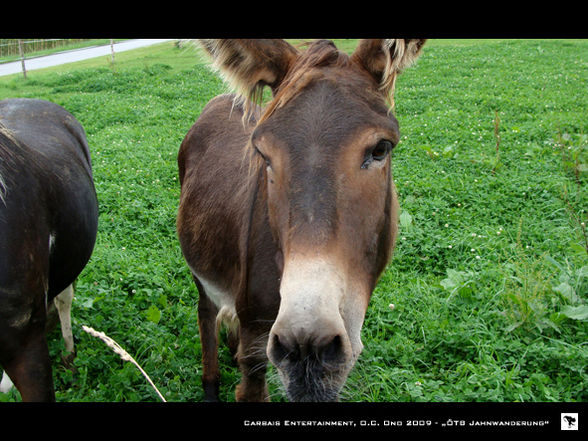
pixel 385 59
pixel 248 65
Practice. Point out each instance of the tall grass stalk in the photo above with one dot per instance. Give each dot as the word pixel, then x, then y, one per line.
pixel 122 353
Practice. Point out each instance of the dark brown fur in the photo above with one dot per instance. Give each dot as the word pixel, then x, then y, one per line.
pixel 266 191
pixel 48 224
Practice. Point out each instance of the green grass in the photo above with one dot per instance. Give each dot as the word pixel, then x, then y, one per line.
pixel 489 278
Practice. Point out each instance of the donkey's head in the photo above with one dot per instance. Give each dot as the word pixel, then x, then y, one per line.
pixel 324 142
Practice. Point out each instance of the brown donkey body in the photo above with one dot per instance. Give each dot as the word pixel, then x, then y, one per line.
pixel 288 214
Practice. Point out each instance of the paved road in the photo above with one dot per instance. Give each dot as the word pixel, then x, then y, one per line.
pixel 75 55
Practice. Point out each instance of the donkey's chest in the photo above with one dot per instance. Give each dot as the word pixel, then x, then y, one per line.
pixel 222 298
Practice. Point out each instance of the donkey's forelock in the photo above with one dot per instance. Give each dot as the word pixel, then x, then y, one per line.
pixel 319 54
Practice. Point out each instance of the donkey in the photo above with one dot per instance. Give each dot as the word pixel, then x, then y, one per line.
pixel 288 213
pixel 48 227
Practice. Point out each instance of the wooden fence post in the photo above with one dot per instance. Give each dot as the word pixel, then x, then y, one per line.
pixel 112 54
pixel 22 60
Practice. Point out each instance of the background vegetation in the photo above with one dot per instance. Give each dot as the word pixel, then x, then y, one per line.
pixel 10 49
pixel 489 279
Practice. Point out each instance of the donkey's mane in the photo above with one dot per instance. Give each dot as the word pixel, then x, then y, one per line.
pixel 8 148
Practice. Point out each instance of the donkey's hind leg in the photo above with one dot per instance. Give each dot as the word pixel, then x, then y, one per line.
pixel 63 303
pixel 24 354
pixel 207 313
pixel 30 368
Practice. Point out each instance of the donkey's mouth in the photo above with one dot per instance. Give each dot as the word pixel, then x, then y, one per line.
pixel 311 380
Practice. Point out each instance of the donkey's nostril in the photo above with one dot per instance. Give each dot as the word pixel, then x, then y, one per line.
pixel 281 349
pixel 286 348
pixel 332 352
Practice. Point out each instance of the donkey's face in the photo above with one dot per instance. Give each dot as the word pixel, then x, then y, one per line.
pixel 332 209
pixel 325 143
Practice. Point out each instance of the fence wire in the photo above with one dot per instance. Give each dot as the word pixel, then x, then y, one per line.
pixel 9 47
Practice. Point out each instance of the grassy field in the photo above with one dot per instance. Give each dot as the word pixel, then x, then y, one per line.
pixel 489 279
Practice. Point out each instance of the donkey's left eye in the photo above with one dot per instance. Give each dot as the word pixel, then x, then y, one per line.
pixel 377 152
pixel 381 150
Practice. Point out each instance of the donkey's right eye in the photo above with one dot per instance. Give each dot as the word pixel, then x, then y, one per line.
pixel 265 158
